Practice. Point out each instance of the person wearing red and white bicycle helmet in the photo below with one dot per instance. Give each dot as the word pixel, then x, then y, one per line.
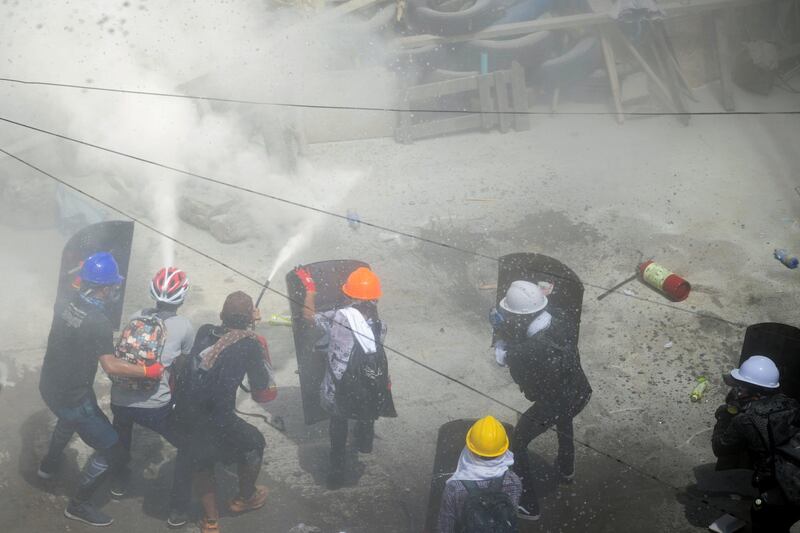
pixel 151 408
pixel 169 286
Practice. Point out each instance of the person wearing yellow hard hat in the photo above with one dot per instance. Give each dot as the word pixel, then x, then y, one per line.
pixel 356 385
pixel 483 493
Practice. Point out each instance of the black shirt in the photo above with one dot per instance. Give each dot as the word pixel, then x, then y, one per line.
pixel 213 392
pixel 80 334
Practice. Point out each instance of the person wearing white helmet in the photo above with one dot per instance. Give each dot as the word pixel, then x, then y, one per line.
pixel 151 407
pixel 756 419
pixel 540 347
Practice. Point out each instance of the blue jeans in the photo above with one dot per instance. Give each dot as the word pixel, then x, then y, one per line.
pixel 156 419
pixel 85 419
pixel 92 426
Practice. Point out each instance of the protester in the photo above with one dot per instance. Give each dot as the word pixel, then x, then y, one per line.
pixel 483 493
pixel 206 402
pixel 356 385
pixel 149 403
pixel 758 419
pixel 541 350
pixel 80 336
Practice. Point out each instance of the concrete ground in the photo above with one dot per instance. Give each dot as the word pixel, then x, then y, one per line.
pixel 711 201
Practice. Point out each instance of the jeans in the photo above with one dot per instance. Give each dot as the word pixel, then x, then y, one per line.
pixel 533 422
pixel 156 419
pixel 365 433
pixel 92 426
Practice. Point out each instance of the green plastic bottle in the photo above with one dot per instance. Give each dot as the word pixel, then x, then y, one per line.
pixel 699 389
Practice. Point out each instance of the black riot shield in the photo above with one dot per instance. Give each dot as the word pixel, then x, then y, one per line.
pixel 566 300
pixel 114 236
pixel 781 343
pixel 449 443
pixel 329 277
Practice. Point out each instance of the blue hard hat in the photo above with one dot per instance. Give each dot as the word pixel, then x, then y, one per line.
pixel 101 269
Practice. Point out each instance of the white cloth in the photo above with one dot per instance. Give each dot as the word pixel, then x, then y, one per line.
pixel 540 323
pixel 473 468
pixel 361 330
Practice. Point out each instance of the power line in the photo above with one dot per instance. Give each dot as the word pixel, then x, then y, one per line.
pixel 391 109
pixel 344 217
pixel 457 381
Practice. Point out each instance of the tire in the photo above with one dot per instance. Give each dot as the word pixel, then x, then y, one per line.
pixel 478 16
pixel 529 51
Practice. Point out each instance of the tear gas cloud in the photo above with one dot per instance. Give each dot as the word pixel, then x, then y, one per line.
pixel 236 50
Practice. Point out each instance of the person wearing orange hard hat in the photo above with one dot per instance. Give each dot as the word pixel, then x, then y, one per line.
pixel 483 491
pixel 356 385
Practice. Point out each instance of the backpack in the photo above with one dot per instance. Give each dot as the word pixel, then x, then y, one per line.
pixel 487 510
pixel 785 451
pixel 141 343
pixel 364 392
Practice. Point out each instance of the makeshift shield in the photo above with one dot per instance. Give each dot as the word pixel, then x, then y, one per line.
pixel 566 298
pixel 114 236
pixel 329 276
pixel 451 440
pixel 781 343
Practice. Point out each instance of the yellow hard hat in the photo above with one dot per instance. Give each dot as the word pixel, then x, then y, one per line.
pixel 487 437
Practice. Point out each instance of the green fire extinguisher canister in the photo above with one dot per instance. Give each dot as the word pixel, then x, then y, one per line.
pixel 668 283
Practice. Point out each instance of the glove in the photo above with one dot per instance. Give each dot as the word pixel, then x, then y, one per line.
pixel 153 371
pixel 306 279
pixel 500 355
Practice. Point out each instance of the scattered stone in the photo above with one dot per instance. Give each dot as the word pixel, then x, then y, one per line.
pixel 303 528
pixel 231 227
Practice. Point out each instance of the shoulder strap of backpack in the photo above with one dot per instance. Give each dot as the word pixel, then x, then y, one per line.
pixel 496 484
pixel 471 486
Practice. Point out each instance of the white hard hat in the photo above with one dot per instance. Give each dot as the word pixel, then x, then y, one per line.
pixel 758 370
pixel 524 298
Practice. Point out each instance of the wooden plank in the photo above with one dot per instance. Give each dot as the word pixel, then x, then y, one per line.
pixel 583 20
pixel 662 89
pixel 613 77
pixel 488 117
pixel 723 57
pixel 519 98
pixel 449 125
pixel 441 88
pixel 667 75
pixel 349 7
pixel 503 105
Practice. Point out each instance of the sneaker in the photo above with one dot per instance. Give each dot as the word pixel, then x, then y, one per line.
pixel 256 501
pixel 528 512
pixel 48 468
pixel 177 519
pixel 209 526
pixel 88 514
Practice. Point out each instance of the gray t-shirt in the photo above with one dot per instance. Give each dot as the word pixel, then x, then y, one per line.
pixel 180 337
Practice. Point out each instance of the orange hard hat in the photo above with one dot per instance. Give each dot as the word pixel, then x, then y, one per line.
pixel 363 284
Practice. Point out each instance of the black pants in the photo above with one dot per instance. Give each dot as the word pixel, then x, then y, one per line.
pixel 533 422
pixel 365 433
pixel 775 515
pixel 157 419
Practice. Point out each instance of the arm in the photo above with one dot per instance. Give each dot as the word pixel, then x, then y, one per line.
pixel 447 510
pixel 309 302
pixel 728 437
pixel 122 369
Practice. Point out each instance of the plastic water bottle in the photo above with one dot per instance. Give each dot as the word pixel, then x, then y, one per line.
pixel 783 256
pixel 353 220
pixel 699 389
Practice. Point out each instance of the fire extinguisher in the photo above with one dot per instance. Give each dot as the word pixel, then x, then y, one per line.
pixel 665 281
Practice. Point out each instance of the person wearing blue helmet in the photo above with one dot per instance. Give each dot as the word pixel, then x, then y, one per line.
pixel 80 336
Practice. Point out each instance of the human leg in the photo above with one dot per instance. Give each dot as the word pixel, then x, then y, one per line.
pixel 365 434
pixel 338 435
pixel 55 452
pixel 565 461
pixel 204 485
pixel 532 423
pixel 123 424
